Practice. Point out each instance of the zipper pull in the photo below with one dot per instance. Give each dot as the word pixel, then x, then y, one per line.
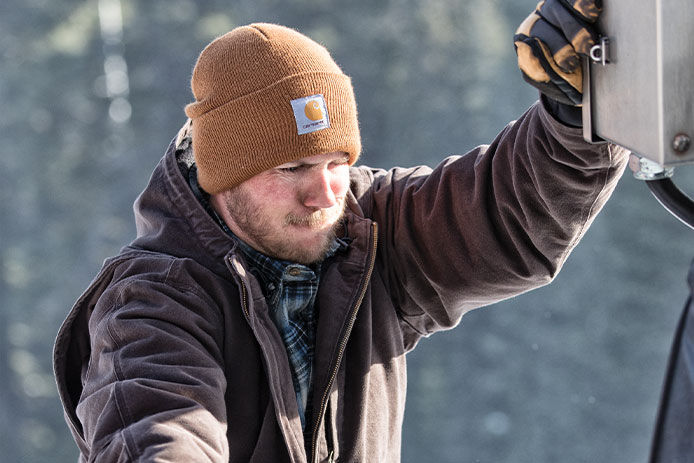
pixel 331 456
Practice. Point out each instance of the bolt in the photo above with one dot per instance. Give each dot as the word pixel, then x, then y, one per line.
pixel 681 142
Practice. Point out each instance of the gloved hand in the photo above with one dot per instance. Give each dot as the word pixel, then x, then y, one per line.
pixel 548 43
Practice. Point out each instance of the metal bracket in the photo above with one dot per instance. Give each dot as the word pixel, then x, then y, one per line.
pixel 587 106
pixel 600 53
pixel 645 169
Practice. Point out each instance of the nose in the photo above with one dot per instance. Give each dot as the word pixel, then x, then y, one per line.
pixel 320 190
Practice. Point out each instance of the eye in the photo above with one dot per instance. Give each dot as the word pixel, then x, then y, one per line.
pixel 290 169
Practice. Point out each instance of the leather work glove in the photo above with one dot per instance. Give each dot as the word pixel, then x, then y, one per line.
pixel 548 44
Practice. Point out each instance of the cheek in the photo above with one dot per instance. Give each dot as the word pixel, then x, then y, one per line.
pixel 340 181
pixel 276 191
pixel 271 194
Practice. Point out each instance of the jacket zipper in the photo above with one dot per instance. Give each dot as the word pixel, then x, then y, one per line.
pixel 343 345
pixel 244 301
pixel 244 295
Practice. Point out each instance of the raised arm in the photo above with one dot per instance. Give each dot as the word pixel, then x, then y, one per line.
pixel 489 225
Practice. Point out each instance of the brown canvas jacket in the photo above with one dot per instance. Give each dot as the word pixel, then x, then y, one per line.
pixel 171 354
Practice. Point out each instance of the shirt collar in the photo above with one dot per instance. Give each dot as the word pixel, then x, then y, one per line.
pixel 275 271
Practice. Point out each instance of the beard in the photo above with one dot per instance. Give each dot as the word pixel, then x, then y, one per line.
pixel 277 237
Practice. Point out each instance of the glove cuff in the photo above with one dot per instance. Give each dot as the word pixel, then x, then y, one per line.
pixel 564 113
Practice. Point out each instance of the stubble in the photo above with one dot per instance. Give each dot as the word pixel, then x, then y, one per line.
pixel 277 240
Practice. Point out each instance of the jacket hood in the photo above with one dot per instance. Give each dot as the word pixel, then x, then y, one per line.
pixel 170 219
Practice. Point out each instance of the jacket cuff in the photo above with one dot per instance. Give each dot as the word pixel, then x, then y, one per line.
pixel 599 155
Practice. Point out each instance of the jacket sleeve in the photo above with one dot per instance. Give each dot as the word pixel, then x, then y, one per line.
pixel 488 225
pixel 154 388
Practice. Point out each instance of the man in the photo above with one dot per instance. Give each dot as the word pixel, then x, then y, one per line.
pixel 264 310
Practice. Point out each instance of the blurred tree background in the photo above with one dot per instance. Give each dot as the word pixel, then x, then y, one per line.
pixel 91 94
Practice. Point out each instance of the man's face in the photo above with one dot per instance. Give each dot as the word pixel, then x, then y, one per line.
pixel 289 212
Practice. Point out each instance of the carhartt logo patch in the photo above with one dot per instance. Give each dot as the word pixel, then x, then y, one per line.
pixel 310 114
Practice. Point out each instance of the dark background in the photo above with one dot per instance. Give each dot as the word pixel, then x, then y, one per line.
pixel 570 372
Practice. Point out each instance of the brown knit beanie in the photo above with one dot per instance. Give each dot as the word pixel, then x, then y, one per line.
pixel 267 95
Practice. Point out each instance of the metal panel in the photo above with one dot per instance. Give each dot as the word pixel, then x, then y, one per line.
pixel 643 98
